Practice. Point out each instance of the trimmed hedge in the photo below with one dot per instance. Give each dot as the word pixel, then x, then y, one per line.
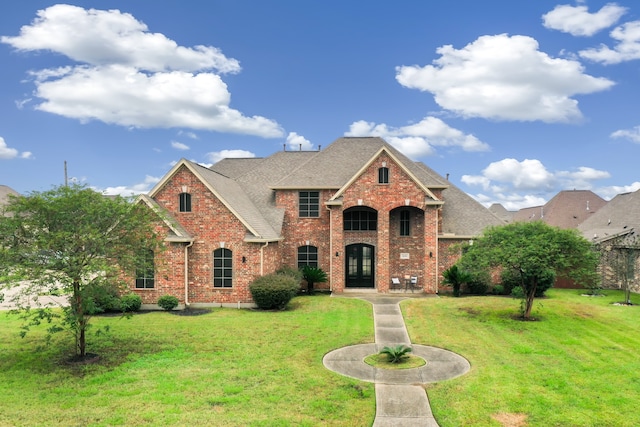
pixel 168 302
pixel 274 291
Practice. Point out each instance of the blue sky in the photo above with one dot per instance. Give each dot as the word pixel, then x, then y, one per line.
pixel 514 100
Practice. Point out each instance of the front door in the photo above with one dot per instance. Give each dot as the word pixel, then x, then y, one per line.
pixel 359 266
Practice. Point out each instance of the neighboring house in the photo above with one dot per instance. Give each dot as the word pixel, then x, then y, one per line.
pixel 567 209
pixel 614 231
pixel 359 209
pixel 501 212
pixel 5 192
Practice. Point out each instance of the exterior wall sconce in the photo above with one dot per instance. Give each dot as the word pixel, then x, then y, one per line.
pixel 337 254
pixel 244 259
pixel 430 254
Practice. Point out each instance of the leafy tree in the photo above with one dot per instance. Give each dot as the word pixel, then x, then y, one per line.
pixel 533 251
pixel 313 275
pixel 70 239
pixel 456 277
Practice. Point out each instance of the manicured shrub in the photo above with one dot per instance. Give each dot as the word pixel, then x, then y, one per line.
pixel 477 287
pixel 168 302
pixel 273 291
pixel 130 302
pixel 517 292
pixel 101 298
pixel 497 290
pixel 286 270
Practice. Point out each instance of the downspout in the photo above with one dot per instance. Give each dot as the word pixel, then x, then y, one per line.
pixel 262 258
pixel 437 249
pixel 330 250
pixel 186 273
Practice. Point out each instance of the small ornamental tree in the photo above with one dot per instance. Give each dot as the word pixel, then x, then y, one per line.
pixel 70 239
pixel 313 275
pixel 456 277
pixel 534 251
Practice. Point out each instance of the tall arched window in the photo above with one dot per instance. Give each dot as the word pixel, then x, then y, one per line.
pixel 185 202
pixel 145 273
pixel 222 268
pixel 307 255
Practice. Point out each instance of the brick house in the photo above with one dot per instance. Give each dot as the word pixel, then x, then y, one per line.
pixel 359 209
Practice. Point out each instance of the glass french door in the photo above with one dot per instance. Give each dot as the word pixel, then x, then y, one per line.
pixel 360 266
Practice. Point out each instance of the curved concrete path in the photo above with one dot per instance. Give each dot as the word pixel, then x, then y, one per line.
pixel 400 398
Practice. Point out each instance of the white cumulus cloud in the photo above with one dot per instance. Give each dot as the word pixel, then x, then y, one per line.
pixel 626 49
pixel 125 75
pixel 630 134
pixel 516 184
pixel 7 152
pixel 503 77
pixel 298 142
pixel 179 146
pixel 577 21
pixel 419 139
pixel 216 156
pixel 132 190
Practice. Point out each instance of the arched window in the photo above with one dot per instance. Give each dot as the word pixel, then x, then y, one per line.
pixel 185 202
pixel 383 175
pixel 222 268
pixel 360 219
pixel 307 255
pixel 145 273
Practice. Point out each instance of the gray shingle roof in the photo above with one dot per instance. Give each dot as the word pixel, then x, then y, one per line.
pixel 619 216
pixel 247 186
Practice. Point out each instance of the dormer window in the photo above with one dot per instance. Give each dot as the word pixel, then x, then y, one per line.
pixel 383 175
pixel 185 202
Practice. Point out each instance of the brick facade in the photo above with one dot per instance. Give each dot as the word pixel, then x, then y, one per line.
pixel 213 223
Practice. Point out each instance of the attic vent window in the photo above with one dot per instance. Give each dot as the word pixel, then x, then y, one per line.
pixel 185 202
pixel 383 175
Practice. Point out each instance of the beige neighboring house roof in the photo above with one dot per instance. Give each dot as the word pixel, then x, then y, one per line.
pixel 620 216
pixel 247 186
pixel 567 209
pixel 5 192
pixel 501 212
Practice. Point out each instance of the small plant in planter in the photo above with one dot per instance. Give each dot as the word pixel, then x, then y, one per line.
pixel 396 354
pixel 168 302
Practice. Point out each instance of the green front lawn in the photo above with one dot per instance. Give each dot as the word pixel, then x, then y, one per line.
pixel 226 368
pixel 577 365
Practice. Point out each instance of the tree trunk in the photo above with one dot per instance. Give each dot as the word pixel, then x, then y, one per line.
pixel 530 296
pixel 81 323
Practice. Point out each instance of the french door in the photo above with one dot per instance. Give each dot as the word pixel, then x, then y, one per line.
pixel 360 266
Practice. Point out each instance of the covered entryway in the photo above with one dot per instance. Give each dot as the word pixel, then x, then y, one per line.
pixel 360 266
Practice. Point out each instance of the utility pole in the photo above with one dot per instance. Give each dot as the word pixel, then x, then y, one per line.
pixel 66 179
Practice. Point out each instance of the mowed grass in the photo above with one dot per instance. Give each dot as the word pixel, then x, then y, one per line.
pixel 577 365
pixel 226 368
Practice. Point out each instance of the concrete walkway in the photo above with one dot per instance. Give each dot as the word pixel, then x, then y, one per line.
pixel 400 398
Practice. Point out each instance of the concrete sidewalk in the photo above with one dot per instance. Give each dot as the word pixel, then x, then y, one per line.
pixel 400 398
